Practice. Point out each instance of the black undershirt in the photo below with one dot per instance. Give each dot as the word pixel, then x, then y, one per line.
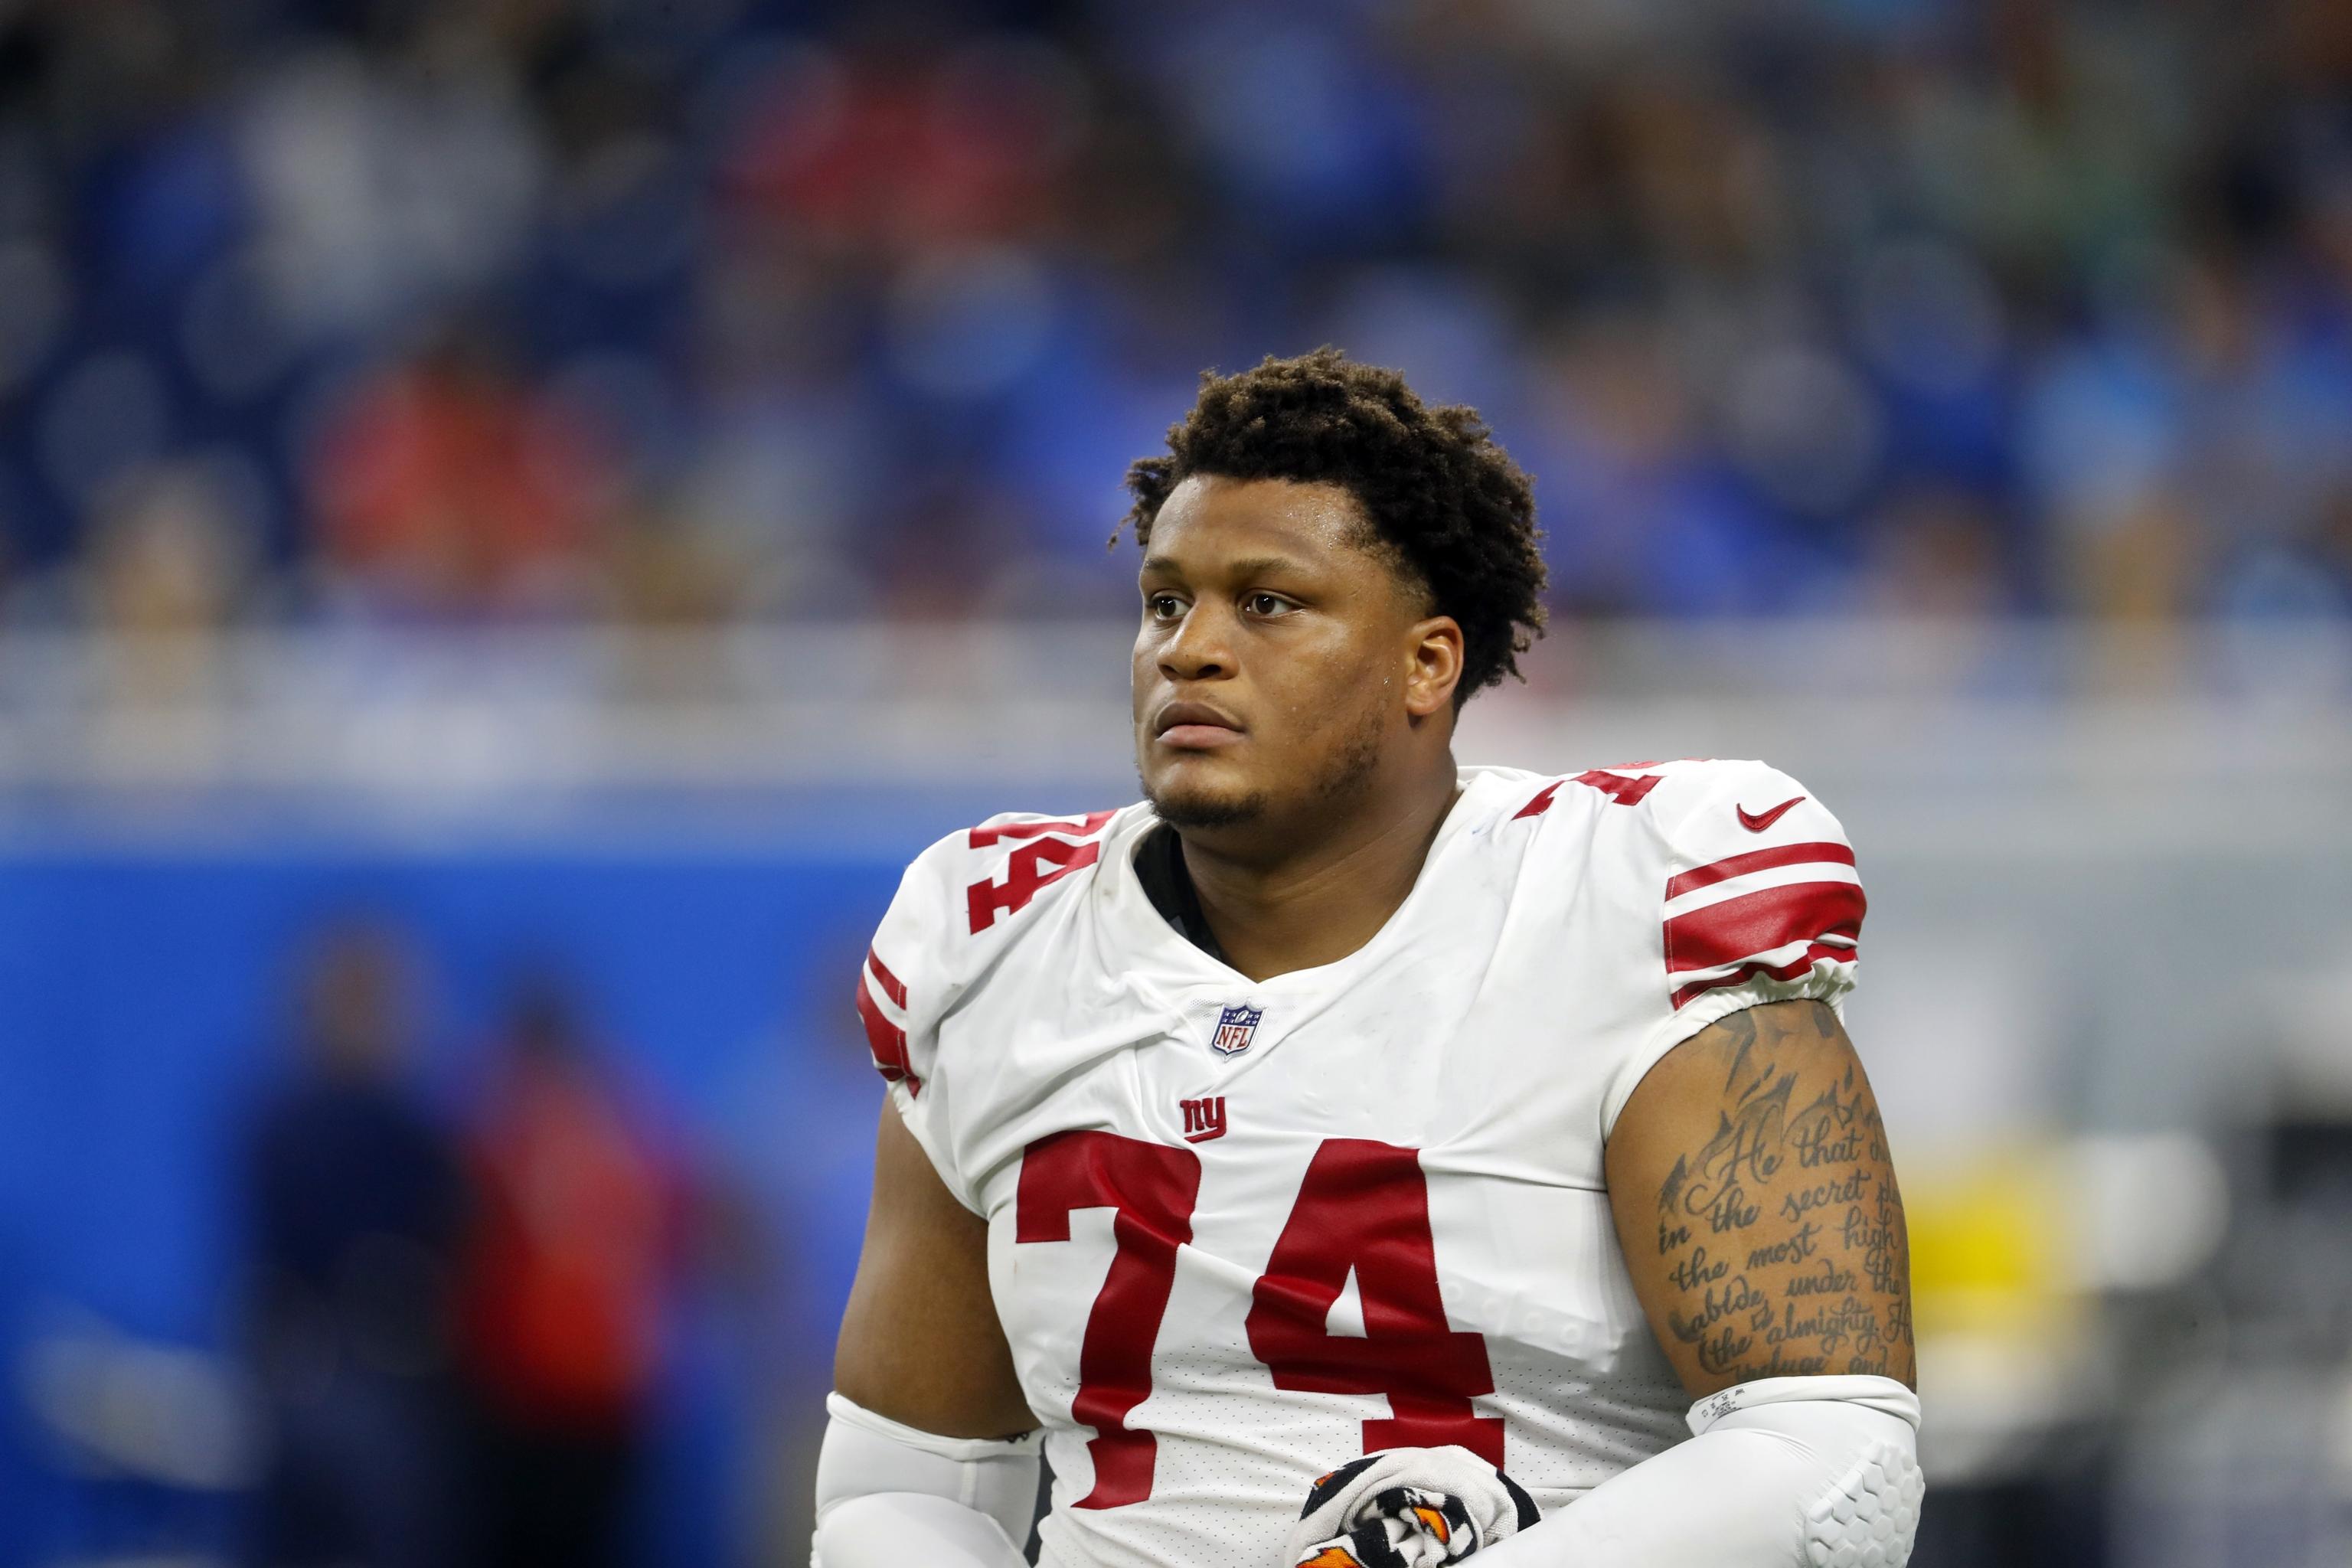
pixel 1168 883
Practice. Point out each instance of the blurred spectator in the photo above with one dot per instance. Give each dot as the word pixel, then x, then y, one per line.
pixel 566 1285
pixel 353 1203
pixel 445 487
pixel 1936 556
pixel 666 572
pixel 169 556
pixel 172 565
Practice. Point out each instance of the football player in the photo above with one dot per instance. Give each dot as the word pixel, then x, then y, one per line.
pixel 1340 1099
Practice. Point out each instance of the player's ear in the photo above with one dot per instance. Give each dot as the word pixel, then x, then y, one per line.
pixel 1434 666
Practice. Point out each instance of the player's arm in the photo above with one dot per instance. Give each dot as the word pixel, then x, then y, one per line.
pixel 929 1456
pixel 1757 1207
pixel 1759 1215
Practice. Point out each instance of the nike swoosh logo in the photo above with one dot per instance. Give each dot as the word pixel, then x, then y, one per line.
pixel 1758 822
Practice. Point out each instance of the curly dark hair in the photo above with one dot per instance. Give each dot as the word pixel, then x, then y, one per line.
pixel 1445 503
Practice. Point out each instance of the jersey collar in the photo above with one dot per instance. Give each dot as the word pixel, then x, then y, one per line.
pixel 1162 954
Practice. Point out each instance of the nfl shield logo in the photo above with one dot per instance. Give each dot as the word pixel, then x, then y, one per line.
pixel 1236 1027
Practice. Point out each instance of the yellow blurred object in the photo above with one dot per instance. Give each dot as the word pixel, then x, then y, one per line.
pixel 2006 1332
pixel 1990 1236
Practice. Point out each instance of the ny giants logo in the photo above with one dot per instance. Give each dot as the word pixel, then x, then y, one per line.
pixel 1236 1027
pixel 1204 1119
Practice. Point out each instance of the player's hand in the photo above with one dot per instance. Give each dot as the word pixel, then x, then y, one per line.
pixel 1408 1507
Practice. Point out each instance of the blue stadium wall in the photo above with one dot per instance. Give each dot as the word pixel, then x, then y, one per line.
pixel 144 1007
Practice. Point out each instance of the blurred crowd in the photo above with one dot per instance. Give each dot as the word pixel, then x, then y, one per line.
pixel 681 311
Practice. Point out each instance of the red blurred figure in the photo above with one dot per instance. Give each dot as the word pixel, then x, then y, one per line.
pixel 564 1295
pixel 444 486
pixel 898 147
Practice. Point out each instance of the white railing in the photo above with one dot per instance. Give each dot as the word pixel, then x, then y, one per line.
pixel 2142 721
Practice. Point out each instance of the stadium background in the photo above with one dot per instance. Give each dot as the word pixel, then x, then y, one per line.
pixel 525 511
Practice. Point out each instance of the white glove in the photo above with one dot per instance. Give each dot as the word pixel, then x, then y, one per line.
pixel 1408 1507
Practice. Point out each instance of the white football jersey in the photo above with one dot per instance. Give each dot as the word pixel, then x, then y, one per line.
pixel 1241 1232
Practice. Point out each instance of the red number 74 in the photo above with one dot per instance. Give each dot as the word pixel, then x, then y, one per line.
pixel 1364 1206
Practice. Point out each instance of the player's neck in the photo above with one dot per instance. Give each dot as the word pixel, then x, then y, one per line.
pixel 1325 895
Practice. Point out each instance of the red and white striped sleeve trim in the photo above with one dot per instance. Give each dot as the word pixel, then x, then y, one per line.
pixel 882 1007
pixel 1779 911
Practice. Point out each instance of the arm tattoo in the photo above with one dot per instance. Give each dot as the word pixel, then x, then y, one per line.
pixel 1782 1236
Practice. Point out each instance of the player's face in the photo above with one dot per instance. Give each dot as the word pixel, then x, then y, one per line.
pixel 1282 660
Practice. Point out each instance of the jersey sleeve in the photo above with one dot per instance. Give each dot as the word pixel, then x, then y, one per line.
pixel 962 903
pixel 905 987
pixel 1756 897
